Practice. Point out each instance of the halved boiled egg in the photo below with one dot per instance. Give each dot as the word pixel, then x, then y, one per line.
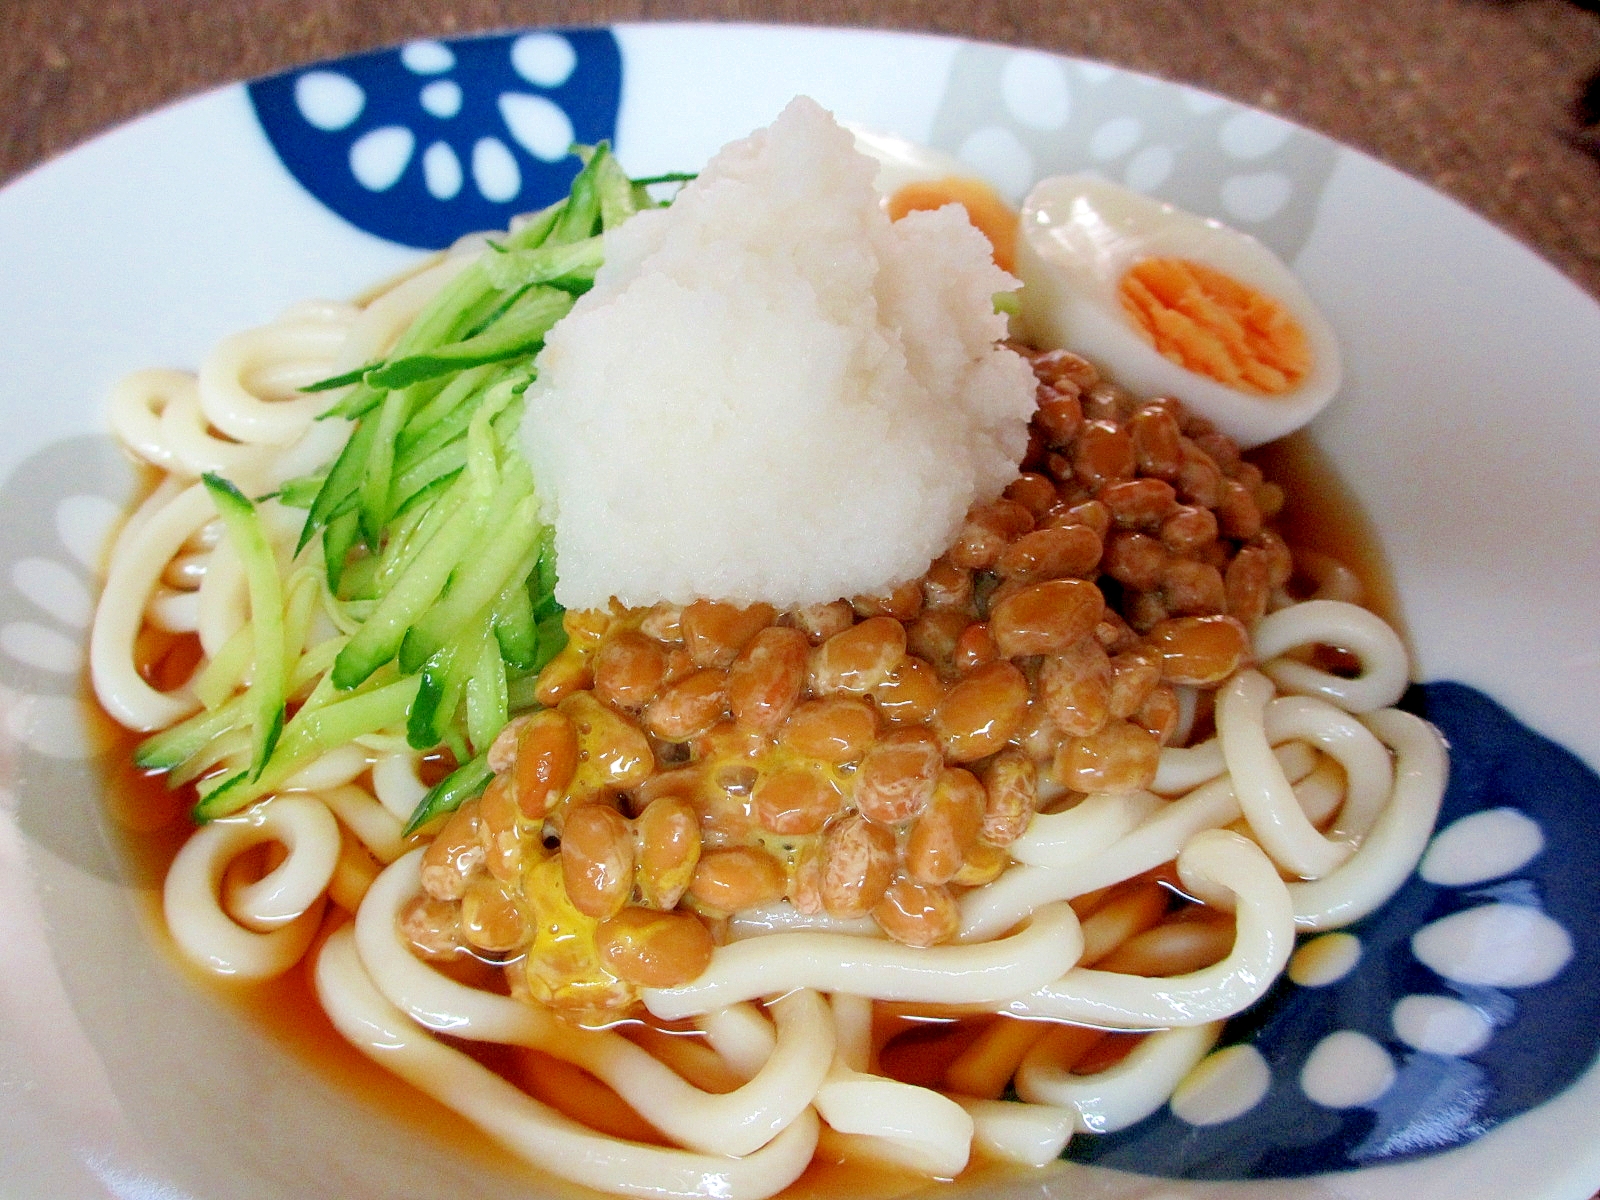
pixel 912 176
pixel 1170 303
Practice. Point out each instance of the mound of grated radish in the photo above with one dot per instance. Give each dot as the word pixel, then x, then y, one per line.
pixel 772 392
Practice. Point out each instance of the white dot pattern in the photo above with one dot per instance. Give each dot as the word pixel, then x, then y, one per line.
pixel 378 158
pixel 495 170
pixel 1034 88
pixel 539 126
pixel 1325 960
pixel 40 646
pixel 1148 168
pixel 427 57
pixel 1256 197
pixel 1115 138
pixel 1223 1086
pixel 1347 1070
pixel 441 98
pixel 84 524
pixel 1442 1025
pixel 53 589
pixel 441 171
pixel 1251 134
pixel 544 59
pixel 1494 945
pixel 1480 847
pixel 328 100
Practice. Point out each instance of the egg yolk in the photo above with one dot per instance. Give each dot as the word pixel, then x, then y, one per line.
pixel 1210 323
pixel 992 216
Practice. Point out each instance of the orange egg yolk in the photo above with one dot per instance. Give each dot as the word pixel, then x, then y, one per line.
pixel 1210 323
pixel 992 216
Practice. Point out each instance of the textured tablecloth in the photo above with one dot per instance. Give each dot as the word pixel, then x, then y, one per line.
pixel 1473 96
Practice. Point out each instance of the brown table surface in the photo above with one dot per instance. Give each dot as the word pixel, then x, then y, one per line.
pixel 1473 96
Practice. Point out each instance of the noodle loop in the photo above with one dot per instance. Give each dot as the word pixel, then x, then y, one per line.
pixel 266 925
pixel 1262 942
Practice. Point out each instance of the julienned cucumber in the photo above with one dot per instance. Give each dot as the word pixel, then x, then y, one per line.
pixel 436 569
pixel 267 690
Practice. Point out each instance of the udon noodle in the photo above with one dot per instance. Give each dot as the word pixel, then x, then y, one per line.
pixel 1290 797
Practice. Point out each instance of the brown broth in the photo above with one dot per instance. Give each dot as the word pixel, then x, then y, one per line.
pixel 1321 513
pixel 152 823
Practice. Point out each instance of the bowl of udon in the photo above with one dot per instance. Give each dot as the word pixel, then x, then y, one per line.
pixel 742 612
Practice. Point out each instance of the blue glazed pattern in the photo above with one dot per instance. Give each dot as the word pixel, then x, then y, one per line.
pixel 428 141
pixel 1541 1038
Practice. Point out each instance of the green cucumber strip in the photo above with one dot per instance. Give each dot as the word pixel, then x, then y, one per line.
pixel 559 264
pixel 516 630
pixel 450 793
pixel 338 539
pixel 425 722
pixel 342 482
pixel 481 475
pixel 222 676
pixel 510 529
pixel 354 404
pixel 416 524
pixel 177 744
pixel 378 640
pixel 360 579
pixel 582 213
pixel 322 694
pixel 446 414
pixel 435 487
pixel 445 674
pixel 229 750
pixel 269 680
pixel 506 302
pixel 506 425
pixel 184 742
pixel 487 704
pixel 404 528
pixel 306 738
pixel 313 665
pixel 618 201
pixel 552 641
pixel 535 228
pixel 441 444
pixel 522 691
pixel 456 305
pixel 520 330
pixel 544 574
pixel 668 177
pixel 427 475
pixel 374 488
pixel 462 303
pixel 300 492
pixel 341 721
pixel 338 381
pixel 303 588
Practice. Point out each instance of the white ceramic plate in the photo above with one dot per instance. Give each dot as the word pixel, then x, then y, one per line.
pixel 1469 429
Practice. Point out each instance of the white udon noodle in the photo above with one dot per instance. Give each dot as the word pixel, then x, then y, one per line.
pixel 1312 778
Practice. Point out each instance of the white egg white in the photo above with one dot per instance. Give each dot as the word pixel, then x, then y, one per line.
pixel 901 161
pixel 1081 234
